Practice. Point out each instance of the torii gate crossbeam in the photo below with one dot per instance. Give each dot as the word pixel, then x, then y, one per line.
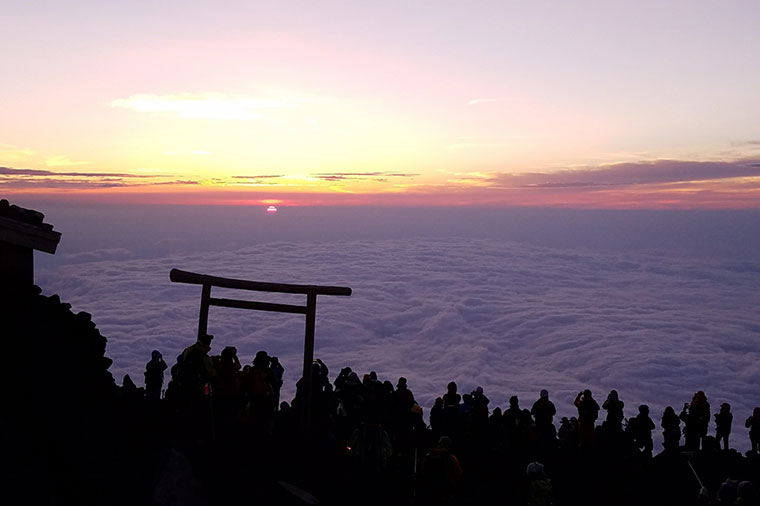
pixel 310 310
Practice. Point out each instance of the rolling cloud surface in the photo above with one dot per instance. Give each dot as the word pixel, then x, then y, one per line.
pixel 511 317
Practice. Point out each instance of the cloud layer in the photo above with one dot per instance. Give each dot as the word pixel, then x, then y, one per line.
pixel 657 184
pixel 510 317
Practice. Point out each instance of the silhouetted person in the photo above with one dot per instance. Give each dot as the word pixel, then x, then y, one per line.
pixel 370 447
pixel 437 416
pixel 441 474
pixel 277 371
pixel 174 388
pixel 543 412
pixel 511 415
pixel 726 493
pixel 640 428
pixel 260 393
pixel 588 412
pixel 341 379
pixel 568 432
pixel 227 370
pixel 614 407
pixel 539 486
pixel 195 376
pixel 197 369
pixel 479 399
pixel 154 375
pixel 696 417
pixel 671 429
pixel 402 401
pixel 745 494
pixel 753 424
pixel 723 420
pixel 451 400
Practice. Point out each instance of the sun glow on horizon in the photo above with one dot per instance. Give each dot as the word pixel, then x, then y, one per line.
pixel 318 105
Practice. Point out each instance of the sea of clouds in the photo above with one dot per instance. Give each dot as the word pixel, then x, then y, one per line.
pixel 510 316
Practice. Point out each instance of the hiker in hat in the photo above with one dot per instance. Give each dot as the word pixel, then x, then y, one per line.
pixel 197 369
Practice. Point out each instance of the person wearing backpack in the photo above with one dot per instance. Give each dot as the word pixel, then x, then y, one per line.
pixel 197 369
pixel 441 474
pixel 195 374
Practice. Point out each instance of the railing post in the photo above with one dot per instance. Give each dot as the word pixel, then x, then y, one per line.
pixel 308 359
pixel 203 319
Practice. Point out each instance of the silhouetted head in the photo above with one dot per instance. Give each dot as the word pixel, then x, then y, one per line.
pixel 452 387
pixel 613 395
pixel 229 352
pixel 401 382
pixel 544 394
pixel 699 397
pixel 756 412
pixel 746 492
pixel 725 407
pixel 644 409
pixel 514 401
pixel 155 355
pixel 438 402
pixel 274 360
pixel 535 471
pixel 373 375
pixel 669 411
pixel 261 359
pixel 467 398
pixel 497 411
pixel 445 442
pixel 587 393
pixel 727 491
pixel 479 391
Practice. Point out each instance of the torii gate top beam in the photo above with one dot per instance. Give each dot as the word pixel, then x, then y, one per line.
pixel 179 276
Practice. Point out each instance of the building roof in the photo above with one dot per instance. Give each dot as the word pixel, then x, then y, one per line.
pixel 26 228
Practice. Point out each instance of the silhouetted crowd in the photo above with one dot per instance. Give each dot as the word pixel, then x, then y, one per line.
pixel 210 429
pixel 366 441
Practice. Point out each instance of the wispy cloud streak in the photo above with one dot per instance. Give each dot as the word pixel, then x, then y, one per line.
pixel 210 105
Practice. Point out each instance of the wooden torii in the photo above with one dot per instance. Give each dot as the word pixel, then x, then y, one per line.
pixel 310 310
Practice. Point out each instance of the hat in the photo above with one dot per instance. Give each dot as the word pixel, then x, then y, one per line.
pixel 535 470
pixel 445 442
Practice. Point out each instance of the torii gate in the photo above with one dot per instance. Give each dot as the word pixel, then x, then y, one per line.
pixel 310 310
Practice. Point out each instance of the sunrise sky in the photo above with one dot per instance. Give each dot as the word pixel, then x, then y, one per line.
pixel 593 104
